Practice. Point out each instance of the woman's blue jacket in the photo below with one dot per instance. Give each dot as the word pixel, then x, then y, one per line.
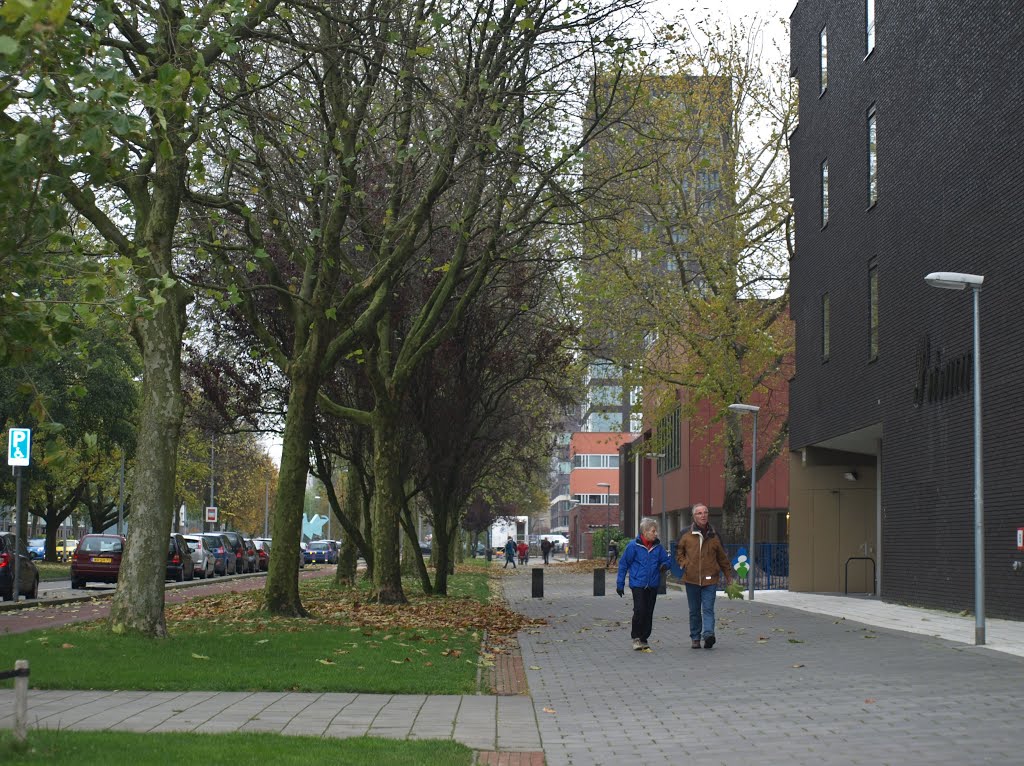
pixel 644 566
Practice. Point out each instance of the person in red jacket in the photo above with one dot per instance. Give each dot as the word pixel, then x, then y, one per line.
pixel 524 553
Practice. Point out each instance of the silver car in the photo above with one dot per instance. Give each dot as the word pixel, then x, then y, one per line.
pixel 203 556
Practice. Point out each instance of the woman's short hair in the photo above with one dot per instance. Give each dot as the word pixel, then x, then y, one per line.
pixel 648 523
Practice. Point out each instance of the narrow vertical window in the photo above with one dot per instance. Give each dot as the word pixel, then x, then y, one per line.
pixel 872 160
pixel 824 58
pixel 826 327
pixel 873 312
pixel 824 193
pixel 869 27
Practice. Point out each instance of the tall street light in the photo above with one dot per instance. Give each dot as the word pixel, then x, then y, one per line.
pixel 607 513
pixel 753 490
pixel 952 280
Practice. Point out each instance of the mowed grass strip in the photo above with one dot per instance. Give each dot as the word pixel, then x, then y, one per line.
pixel 228 643
pixel 89 748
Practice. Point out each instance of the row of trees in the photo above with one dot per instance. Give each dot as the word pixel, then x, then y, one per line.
pixel 351 223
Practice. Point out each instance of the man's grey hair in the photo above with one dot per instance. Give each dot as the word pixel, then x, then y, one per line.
pixel 648 523
pixel 696 506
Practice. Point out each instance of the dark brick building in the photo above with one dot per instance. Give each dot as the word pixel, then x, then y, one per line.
pixel 908 159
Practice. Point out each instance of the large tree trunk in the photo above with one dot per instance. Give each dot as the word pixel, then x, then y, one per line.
pixel 282 589
pixel 387 460
pixel 138 605
pixel 349 554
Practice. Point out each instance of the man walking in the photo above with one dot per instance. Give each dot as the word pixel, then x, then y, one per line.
pixel 701 555
pixel 545 549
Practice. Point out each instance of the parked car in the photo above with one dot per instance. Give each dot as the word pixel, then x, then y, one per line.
pixel 302 554
pixel 263 551
pixel 66 549
pixel 28 575
pixel 237 543
pixel 37 547
pixel 204 560
pixel 425 548
pixel 322 552
pixel 252 557
pixel 97 559
pixel 225 554
pixel 179 559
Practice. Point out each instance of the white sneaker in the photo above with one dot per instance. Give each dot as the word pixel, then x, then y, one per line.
pixel 637 644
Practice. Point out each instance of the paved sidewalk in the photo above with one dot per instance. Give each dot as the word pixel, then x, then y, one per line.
pixel 480 722
pixel 782 686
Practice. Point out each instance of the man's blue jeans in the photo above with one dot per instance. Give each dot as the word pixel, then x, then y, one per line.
pixel 702 610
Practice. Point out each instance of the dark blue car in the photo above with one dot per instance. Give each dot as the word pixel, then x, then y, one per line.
pixel 322 552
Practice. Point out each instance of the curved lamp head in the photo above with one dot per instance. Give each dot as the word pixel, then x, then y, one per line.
pixel 953 280
pixel 744 408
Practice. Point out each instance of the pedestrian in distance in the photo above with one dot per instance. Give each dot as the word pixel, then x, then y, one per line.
pixel 545 549
pixel 644 560
pixel 613 552
pixel 524 552
pixel 510 553
pixel 702 556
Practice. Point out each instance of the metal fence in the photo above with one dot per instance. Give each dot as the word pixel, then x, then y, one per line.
pixel 771 564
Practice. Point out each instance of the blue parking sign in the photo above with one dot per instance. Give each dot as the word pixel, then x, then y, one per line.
pixel 19 446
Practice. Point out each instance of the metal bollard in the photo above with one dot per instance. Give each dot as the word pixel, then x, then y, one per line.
pixel 662 587
pixel 538 583
pixel 599 581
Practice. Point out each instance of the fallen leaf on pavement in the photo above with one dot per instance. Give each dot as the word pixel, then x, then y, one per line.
pixel 869 701
pixel 549 710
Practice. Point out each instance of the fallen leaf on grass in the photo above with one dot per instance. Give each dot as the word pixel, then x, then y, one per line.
pixel 400 662
pixel 326 662
pixel 67 646
pixel 263 641
pixel 199 656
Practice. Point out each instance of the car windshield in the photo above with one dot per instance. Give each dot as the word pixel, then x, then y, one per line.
pixel 101 545
pixel 194 545
pixel 36 541
pixel 319 546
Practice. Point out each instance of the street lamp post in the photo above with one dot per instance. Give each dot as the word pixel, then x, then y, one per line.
pixel 753 490
pixel 952 280
pixel 607 513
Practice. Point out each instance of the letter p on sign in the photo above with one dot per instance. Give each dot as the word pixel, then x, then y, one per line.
pixel 19 446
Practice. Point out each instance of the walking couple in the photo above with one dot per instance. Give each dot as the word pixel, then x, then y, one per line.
pixel 702 557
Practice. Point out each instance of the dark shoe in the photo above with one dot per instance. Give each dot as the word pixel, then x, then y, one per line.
pixel 695 644
pixel 709 642
pixel 643 643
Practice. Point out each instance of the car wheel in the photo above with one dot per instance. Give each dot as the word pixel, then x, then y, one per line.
pixel 6 595
pixel 34 593
pixel 77 584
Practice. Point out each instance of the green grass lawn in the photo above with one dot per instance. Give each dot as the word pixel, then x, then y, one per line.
pixel 87 748
pixel 49 571
pixel 227 643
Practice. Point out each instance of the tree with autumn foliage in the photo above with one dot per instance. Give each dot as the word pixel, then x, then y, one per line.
pixel 692 248
pixel 348 150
